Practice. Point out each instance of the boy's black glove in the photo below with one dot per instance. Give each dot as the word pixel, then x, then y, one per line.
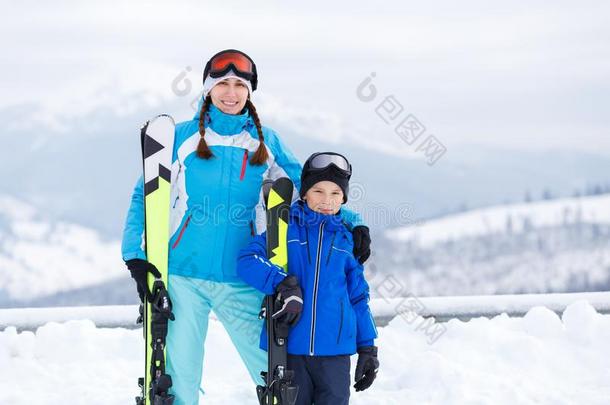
pixel 362 243
pixel 139 270
pixel 366 368
pixel 288 301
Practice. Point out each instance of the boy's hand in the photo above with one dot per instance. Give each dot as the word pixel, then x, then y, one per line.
pixel 362 243
pixel 288 301
pixel 366 368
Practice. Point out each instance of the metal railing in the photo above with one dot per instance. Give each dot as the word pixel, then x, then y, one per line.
pixel 439 308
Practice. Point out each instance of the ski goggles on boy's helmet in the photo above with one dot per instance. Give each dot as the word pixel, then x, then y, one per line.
pixel 323 160
pixel 231 59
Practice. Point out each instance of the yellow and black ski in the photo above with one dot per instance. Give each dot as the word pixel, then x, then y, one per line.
pixel 278 388
pixel 157 137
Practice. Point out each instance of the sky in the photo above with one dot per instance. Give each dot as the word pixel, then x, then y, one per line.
pixel 529 75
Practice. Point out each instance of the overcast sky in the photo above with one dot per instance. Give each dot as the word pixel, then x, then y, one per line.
pixel 533 75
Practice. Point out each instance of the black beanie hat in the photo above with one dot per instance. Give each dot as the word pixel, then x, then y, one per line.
pixel 310 176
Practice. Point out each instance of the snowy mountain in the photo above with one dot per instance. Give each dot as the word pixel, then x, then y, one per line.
pixel 41 258
pixel 90 189
pixel 547 246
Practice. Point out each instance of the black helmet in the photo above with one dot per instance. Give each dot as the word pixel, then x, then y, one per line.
pixel 329 166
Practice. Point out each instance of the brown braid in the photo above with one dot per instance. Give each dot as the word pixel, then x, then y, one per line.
pixel 261 155
pixel 203 150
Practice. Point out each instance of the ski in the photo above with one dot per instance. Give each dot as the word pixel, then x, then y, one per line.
pixel 157 138
pixel 278 388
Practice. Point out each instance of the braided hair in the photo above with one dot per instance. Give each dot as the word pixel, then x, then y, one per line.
pixel 203 150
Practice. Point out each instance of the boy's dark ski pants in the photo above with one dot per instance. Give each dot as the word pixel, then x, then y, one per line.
pixel 323 380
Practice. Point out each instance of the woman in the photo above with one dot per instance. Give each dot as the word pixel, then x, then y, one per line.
pixel 220 160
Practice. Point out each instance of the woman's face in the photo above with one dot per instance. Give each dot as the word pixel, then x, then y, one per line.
pixel 324 197
pixel 229 95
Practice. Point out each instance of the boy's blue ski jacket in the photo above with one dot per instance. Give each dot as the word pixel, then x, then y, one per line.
pixel 336 317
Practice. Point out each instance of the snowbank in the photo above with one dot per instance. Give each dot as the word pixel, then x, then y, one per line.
pixel 538 359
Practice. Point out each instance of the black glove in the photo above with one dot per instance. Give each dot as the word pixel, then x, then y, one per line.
pixel 139 270
pixel 362 243
pixel 366 368
pixel 288 301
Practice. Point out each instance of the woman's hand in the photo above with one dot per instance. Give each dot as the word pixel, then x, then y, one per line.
pixel 139 270
pixel 362 243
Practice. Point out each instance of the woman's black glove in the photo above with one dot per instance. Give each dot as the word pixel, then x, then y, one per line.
pixel 288 301
pixel 366 368
pixel 139 270
pixel 362 243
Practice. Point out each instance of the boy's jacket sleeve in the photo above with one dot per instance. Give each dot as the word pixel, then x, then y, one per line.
pixel 254 268
pixel 358 290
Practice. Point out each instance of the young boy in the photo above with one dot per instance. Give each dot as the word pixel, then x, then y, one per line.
pixel 325 293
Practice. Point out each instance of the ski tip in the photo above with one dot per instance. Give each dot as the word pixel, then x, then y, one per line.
pixel 163 117
pixel 281 183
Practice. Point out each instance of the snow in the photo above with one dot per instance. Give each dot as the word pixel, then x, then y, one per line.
pixel 40 257
pixel 540 247
pixel 482 305
pixel 15 208
pixel 538 359
pixel 494 219
pixel 103 315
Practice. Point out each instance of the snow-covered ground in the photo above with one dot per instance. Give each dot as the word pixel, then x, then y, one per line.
pixel 538 359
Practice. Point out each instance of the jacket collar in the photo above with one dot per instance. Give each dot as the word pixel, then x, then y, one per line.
pixel 305 216
pixel 225 124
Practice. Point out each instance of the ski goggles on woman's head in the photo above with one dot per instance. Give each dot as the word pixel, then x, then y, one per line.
pixel 322 160
pixel 231 59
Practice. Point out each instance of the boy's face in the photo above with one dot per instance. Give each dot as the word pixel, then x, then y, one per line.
pixel 324 197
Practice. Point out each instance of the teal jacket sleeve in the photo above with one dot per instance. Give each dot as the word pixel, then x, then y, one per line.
pixel 285 164
pixel 352 218
pixel 132 246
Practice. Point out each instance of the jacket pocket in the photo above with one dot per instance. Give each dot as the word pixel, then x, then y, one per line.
pixel 340 322
pixel 184 226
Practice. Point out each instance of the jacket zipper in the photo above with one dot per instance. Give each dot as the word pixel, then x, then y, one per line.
pixel 186 223
pixel 244 163
pixel 340 323
pixel 315 291
pixel 330 250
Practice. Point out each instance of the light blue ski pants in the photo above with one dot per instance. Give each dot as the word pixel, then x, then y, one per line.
pixel 236 306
